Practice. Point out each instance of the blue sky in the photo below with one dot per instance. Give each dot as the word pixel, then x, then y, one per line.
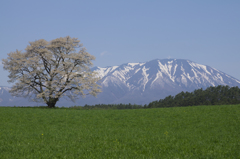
pixel 117 32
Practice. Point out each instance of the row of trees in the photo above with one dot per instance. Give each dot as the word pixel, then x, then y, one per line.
pixel 211 96
pixel 110 106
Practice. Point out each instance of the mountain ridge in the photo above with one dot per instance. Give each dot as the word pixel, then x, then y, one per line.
pixel 143 82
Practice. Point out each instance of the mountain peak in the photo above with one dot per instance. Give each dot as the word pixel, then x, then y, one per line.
pixel 144 82
pixel 165 76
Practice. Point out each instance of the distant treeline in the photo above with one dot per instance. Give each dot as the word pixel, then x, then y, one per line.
pixel 110 106
pixel 211 96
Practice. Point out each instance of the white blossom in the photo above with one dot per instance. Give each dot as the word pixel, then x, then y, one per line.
pixel 51 70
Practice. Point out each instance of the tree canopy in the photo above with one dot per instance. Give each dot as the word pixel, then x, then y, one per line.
pixel 219 95
pixel 211 96
pixel 47 71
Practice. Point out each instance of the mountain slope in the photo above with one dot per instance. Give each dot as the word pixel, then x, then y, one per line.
pixel 141 83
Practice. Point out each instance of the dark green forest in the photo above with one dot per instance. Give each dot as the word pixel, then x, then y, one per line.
pixel 220 95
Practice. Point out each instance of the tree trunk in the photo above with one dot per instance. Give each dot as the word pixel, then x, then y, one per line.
pixel 52 102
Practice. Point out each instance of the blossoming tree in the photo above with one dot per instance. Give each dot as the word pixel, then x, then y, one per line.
pixel 47 71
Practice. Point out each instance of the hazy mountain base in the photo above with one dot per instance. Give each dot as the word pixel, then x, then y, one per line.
pixel 142 83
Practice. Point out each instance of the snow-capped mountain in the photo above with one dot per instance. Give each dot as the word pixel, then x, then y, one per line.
pixel 141 83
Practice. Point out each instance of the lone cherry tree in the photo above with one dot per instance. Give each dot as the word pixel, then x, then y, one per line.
pixel 47 71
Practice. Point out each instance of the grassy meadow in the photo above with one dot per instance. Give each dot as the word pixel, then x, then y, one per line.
pixel 178 132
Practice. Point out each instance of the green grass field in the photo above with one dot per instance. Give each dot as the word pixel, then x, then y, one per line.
pixel 182 132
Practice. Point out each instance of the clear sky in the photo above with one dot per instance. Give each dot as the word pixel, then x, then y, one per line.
pixel 121 31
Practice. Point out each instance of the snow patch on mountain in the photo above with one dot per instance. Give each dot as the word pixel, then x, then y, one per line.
pixel 166 69
pixel 145 77
pixel 180 72
pixel 141 83
pixel 158 76
pixel 133 64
